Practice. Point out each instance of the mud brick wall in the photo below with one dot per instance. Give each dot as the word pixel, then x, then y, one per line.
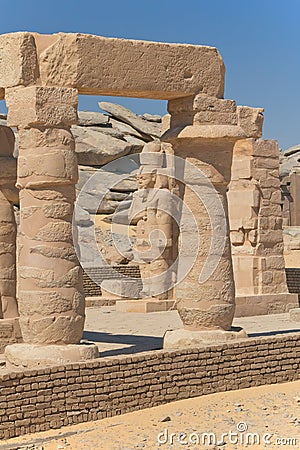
pixel 293 280
pixel 92 288
pixel 37 400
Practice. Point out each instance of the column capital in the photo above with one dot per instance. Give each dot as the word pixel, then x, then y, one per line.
pixel 210 118
pixel 41 106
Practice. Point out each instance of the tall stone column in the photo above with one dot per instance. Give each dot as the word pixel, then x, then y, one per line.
pixel 50 291
pixel 8 228
pixel 203 132
pixel 9 325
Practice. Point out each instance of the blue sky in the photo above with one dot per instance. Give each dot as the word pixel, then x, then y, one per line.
pixel 259 41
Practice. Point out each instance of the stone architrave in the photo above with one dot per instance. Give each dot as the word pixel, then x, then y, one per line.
pixel 255 217
pixel 50 292
pixel 203 131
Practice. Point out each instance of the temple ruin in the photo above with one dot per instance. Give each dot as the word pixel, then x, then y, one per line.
pixel 40 82
pixel 209 230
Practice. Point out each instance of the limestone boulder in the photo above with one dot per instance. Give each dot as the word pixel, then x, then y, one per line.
pixel 82 217
pixel 96 149
pixel 289 159
pixel 152 117
pixel 139 123
pixel 90 118
pixel 116 248
pixel 126 129
pixel 127 185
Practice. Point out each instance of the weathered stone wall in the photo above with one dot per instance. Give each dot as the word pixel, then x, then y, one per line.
pixel 255 218
pixel 37 400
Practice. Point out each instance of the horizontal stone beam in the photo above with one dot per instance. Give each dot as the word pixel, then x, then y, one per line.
pixel 107 66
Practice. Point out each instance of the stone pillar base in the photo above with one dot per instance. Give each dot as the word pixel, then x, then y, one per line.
pixel 174 339
pixel 144 305
pixel 295 315
pixel 10 333
pixel 264 304
pixel 32 356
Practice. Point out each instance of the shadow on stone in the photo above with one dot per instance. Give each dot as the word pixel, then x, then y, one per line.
pixel 273 333
pixel 137 343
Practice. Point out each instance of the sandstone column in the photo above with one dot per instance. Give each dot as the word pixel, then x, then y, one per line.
pixel 50 293
pixel 8 175
pixel 203 132
pixel 9 324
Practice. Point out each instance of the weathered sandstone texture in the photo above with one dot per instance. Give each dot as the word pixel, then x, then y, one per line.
pixel 153 211
pixel 41 76
pixel 203 132
pixel 255 219
pixel 9 324
pixel 137 68
pixel 8 176
pixel 50 297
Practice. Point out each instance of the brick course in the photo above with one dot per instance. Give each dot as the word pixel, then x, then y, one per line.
pixel 293 280
pixel 37 400
pixel 92 288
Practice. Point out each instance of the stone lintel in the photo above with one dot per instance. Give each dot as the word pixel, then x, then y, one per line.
pixel 99 65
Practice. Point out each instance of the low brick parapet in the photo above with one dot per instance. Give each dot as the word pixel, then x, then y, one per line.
pixel 37 400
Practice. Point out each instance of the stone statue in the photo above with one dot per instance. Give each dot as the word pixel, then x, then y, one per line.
pixel 153 210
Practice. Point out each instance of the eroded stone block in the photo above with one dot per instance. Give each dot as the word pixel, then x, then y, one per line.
pixel 39 105
pixel 18 60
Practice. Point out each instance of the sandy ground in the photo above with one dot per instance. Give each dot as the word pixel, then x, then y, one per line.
pixel 270 414
pixel 118 333
pixel 269 409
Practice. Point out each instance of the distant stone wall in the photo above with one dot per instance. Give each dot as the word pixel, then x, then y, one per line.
pixel 93 277
pixel 37 400
pixel 293 280
pixel 291 239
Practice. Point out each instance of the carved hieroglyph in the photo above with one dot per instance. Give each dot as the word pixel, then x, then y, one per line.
pixel 50 296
